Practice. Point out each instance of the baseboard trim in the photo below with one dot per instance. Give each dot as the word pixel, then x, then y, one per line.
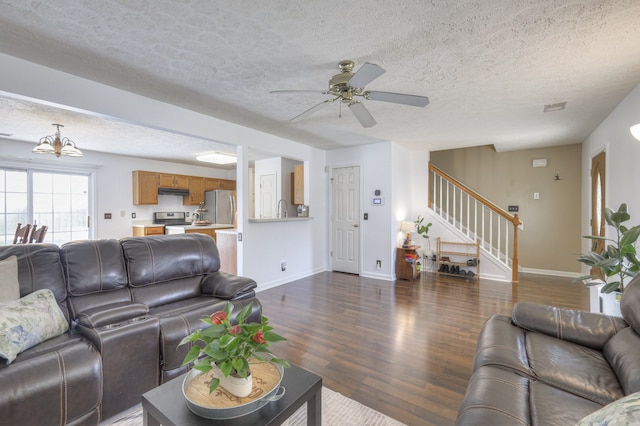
pixel 551 272
pixel 276 283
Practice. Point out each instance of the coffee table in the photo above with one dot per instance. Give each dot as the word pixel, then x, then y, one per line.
pixel 166 404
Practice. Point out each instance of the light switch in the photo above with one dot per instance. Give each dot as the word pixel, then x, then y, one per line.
pixel 536 195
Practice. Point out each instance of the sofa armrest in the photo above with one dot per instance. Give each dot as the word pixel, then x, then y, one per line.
pixel 584 328
pixel 226 286
pixel 111 314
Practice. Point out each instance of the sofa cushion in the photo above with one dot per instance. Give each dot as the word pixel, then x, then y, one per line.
pixel 39 267
pixel 93 266
pixel 502 344
pixel 28 321
pixel 623 353
pixel 160 258
pixel 9 285
pixel 623 412
pixel 630 302
pixel 56 382
pixel 496 396
pixel 573 368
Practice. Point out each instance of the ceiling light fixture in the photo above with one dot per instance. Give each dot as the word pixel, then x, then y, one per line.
pixel 54 144
pixel 635 131
pixel 217 158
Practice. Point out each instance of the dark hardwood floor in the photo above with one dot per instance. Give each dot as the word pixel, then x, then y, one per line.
pixel 403 348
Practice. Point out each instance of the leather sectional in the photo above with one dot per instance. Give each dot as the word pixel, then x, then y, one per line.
pixel 129 302
pixel 550 366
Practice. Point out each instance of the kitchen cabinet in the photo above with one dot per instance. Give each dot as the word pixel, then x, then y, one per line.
pixel 226 240
pixel 207 231
pixel 145 187
pixel 212 184
pixel 143 231
pixel 297 186
pixel 196 191
pixel 174 181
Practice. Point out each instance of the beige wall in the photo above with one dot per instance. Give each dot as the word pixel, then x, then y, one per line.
pixel 551 236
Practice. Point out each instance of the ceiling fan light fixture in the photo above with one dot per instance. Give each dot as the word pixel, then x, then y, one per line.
pixel 217 158
pixel 635 131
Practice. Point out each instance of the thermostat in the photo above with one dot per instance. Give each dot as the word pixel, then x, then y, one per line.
pixel 377 201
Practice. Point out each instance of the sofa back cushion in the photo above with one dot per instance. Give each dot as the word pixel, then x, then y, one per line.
pixel 93 266
pixel 172 260
pixel 39 267
pixel 630 304
pixel 622 352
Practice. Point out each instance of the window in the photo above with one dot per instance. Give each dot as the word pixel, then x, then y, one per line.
pixel 58 200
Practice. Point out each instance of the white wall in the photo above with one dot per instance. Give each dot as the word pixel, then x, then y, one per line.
pixel 302 244
pixel 622 159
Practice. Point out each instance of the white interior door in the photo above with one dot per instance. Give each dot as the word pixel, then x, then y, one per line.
pixel 268 196
pixel 345 219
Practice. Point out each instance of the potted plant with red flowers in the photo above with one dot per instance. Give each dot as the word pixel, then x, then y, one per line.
pixel 230 347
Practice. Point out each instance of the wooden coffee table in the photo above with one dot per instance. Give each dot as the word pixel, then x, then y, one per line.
pixel 166 405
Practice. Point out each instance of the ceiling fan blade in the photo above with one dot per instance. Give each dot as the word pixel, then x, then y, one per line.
pixel 312 109
pixel 366 74
pixel 324 92
pixel 362 114
pixel 398 98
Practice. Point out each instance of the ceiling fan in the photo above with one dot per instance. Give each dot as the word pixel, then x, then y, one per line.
pixel 347 86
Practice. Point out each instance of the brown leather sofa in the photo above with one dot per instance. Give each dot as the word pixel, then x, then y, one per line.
pixel 550 366
pixel 129 303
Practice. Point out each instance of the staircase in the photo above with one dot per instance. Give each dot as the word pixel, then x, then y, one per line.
pixel 476 218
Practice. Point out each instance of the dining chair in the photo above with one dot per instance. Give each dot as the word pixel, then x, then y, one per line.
pixel 22 234
pixel 37 235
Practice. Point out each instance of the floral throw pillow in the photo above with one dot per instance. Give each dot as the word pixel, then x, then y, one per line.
pixel 28 321
pixel 623 412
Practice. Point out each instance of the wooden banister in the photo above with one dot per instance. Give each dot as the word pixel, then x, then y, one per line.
pixel 462 187
pixel 513 219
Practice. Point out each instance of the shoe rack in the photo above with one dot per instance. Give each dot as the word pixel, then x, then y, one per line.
pixel 454 258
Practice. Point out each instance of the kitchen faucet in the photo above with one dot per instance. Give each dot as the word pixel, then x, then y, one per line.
pixel 286 207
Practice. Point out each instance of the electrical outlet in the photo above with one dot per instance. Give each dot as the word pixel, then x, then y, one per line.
pixel 378 264
pixel 283 265
pixel 239 236
pixel 133 215
pixel 107 215
pixel 122 213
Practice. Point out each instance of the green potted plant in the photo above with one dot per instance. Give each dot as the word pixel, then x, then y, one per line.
pixel 618 260
pixel 230 348
pixel 423 230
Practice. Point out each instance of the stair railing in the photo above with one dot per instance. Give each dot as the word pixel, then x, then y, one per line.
pixel 476 217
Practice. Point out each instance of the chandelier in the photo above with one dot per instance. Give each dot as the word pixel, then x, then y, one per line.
pixel 54 144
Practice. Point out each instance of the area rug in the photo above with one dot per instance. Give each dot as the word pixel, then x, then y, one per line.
pixel 337 410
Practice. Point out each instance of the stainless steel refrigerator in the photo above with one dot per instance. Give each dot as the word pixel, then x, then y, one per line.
pixel 221 204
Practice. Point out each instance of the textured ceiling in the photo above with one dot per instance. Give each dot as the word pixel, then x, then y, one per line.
pixel 488 67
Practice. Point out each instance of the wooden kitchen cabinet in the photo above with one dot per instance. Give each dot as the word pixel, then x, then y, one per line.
pixel 174 181
pixel 298 184
pixel 196 191
pixel 207 231
pixel 143 231
pixel 227 249
pixel 145 187
pixel 212 184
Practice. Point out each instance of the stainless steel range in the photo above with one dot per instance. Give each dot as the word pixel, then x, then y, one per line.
pixel 170 218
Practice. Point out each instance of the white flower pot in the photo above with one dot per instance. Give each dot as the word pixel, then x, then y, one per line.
pixel 238 386
pixel 611 303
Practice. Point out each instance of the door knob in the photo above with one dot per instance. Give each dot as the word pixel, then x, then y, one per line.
pixel 356 225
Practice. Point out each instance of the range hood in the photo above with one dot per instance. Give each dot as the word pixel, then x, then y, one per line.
pixel 173 191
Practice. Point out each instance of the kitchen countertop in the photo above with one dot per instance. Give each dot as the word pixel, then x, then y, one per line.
pixel 209 226
pixel 146 225
pixel 282 219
